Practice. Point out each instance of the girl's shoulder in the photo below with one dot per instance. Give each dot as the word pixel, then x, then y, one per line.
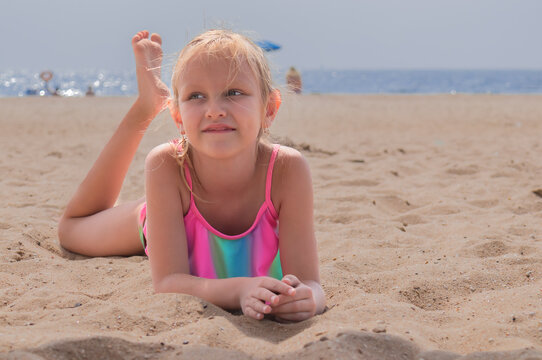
pixel 161 162
pixel 163 153
pixel 162 170
pixel 291 174
pixel 288 157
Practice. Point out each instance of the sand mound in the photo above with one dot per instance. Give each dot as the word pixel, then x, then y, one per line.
pixel 347 345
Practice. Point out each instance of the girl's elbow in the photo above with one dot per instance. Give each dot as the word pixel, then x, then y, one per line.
pixel 159 286
pixel 63 232
pixel 164 284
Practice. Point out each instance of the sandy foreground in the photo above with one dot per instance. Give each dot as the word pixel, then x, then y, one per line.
pixel 429 235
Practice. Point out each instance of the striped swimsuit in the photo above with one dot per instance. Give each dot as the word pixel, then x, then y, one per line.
pixel 214 255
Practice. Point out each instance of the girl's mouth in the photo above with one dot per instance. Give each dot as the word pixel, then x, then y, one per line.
pixel 218 128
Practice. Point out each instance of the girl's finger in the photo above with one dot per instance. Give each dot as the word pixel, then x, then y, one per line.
pixel 259 306
pixel 278 287
pixel 266 296
pixel 305 305
pixel 293 317
pixel 251 312
pixel 291 280
pixel 302 292
pixel 283 300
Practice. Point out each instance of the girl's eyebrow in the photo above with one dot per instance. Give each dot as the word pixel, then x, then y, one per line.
pixel 188 86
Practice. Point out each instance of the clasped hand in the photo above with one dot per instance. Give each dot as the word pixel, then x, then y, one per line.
pixel 288 299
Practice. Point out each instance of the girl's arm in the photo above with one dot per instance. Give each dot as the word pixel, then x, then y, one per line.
pixel 298 250
pixel 168 251
pixel 254 296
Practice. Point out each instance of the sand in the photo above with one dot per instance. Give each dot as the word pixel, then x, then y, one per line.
pixel 429 235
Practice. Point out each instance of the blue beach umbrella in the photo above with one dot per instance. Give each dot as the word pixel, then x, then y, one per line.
pixel 268 45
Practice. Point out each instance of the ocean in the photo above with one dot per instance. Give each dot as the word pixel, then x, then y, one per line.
pixel 123 83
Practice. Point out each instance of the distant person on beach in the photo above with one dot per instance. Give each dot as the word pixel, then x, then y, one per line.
pixel 214 199
pixel 47 76
pixel 293 80
pixel 90 91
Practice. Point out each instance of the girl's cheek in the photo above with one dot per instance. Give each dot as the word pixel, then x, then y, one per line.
pixel 187 112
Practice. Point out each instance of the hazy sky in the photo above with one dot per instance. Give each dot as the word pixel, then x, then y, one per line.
pixel 338 34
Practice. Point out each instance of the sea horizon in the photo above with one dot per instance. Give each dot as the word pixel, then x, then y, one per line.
pixel 70 83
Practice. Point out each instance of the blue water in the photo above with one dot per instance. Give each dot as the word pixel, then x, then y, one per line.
pixel 425 81
pixel 123 83
pixel 69 83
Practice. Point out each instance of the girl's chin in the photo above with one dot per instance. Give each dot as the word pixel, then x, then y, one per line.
pixel 222 150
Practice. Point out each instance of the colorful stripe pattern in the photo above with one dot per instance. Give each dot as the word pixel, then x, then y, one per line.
pixel 215 255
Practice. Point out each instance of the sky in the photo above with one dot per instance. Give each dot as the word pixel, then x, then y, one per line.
pixel 339 34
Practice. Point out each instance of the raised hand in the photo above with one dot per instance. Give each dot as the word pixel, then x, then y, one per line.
pixel 295 307
pixel 153 93
pixel 259 294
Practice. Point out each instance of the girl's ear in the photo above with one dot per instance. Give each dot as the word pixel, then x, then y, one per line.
pixel 175 114
pixel 273 105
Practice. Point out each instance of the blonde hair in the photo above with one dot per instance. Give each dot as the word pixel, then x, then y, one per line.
pixel 232 46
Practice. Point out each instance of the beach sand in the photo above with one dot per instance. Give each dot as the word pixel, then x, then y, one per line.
pixel 429 235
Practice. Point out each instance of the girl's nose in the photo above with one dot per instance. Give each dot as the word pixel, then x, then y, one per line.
pixel 215 110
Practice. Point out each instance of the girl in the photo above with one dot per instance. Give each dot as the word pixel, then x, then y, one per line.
pixel 213 200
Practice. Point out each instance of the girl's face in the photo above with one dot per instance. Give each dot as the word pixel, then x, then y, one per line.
pixel 221 111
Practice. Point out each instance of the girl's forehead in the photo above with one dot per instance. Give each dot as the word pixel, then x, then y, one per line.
pixel 215 66
pixel 203 60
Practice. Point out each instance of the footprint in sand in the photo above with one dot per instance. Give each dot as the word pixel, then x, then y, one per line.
pixel 122 321
pixel 326 176
pixel 502 174
pixel 56 154
pixel 302 146
pixel 351 198
pixel 374 283
pixel 521 231
pixel 327 166
pixel 426 295
pixel 21 205
pixel 442 210
pixel 490 249
pixel 4 226
pixel 527 208
pixel 337 218
pixel 411 219
pixel 16 183
pixel 437 294
pixel 469 170
pixel 393 204
pixel 484 204
pixel 357 345
pixel 355 183
pixel 100 347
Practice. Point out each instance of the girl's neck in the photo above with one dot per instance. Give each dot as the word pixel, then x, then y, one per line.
pixel 225 176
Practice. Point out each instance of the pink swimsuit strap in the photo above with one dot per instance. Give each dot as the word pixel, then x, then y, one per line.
pixel 268 182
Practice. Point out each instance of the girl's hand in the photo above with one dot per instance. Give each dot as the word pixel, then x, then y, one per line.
pixel 297 307
pixel 259 294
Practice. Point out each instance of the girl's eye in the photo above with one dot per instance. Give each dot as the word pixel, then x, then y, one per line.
pixel 234 92
pixel 195 96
